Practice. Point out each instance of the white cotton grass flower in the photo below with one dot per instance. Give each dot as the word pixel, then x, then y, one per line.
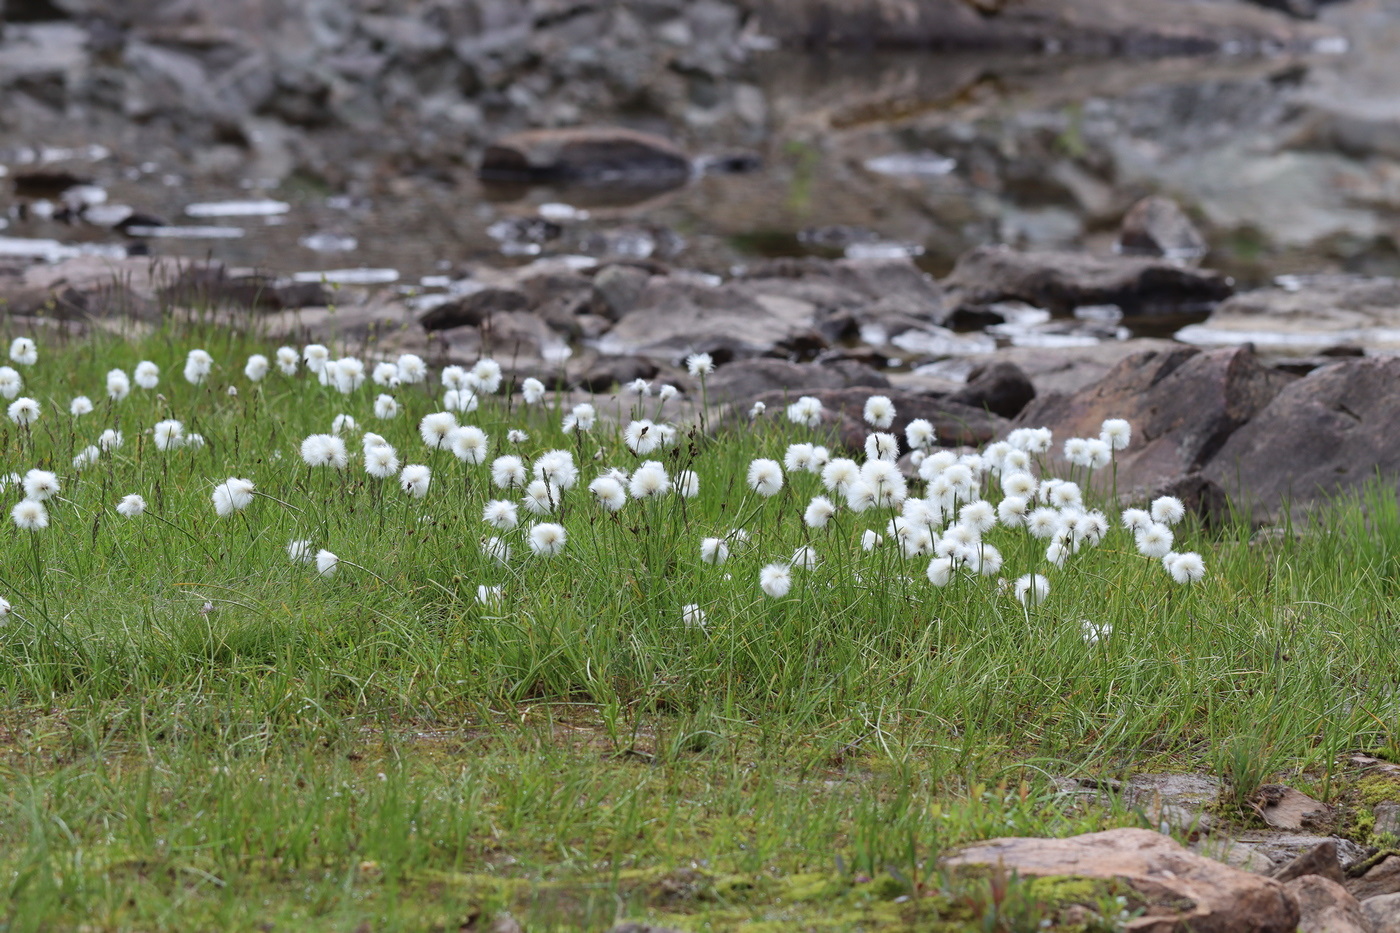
pixel 799 457
pixel 557 467
pixel 989 560
pixel 1154 541
pixel 256 367
pixel 692 615
pixel 881 446
pixel 118 385
pixel 1020 484
pixel 700 365
pixel 436 429
pixel 463 400
pixel 920 434
pixel 1097 454
pixel 869 540
pixel 86 457
pixel 231 391
pixel 1185 568
pixel 641 437
pixel 583 417
pixel 714 550
pixel 1031 440
pixel 287 361
pixel 1093 634
pixel 110 439
pixel 1032 589
pixel 819 512
pixel 412 369
pixel 4 608
pixel 1058 551
pixel 1011 511
pixel 30 515
pixel 344 424
pixel 385 374
pixel 1089 528
pixel 1044 523
pixel 686 484
pixel 1065 495
pixel 198 364
pixel 324 450
pixel 541 498
pixel 316 357
pixel 776 580
pixel 979 515
pixel 609 492
pixel 649 481
pixel 940 571
pixel 879 412
pixel 347 374
pixel 1168 510
pixel 386 408
pixel 496 550
pixel 532 390
pixel 765 476
pixel 517 436
pixel 381 461
pixel 757 411
pixel 840 474
pixel 23 351
pixel 1074 450
pixel 805 558
pixel 11 383
pixel 861 496
pixel 1116 433
pixel 326 563
pixel 471 445
pixel 666 393
pixel 487 374
pixel 168 434
pixel 885 482
pixel 301 551
pixel 489 595
pixel 508 472
pixel 1135 519
pixel 547 539
pixel 500 514
pixel 452 377
pixel 193 441
pixel 415 479
pixel 80 406
pixel 131 506
pixel 232 495
pixel 40 485
pixel 638 387
pixel 806 411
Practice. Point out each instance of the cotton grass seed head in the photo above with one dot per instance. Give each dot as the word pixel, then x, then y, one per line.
pixel 131 506
pixel 23 411
pixel 415 480
pixel 1032 589
pixel 1117 433
pixel 1135 519
pixel 463 400
pixel 326 563
pixel 609 493
pixel 805 558
pixel 765 476
pixel 287 361
pixel 487 374
pixel 10 382
pixel 879 412
pixel 508 472
pixel 384 374
pixel 806 411
pixel 232 495
pixel 649 481
pixel 840 474
pixel 381 461
pixel 386 407
pixel 700 365
pixel 23 351
pixel 40 485
pixel 30 515
pixel 80 406
pixel 686 484
pixel 642 437
pixel 920 434
pixel 882 446
pixel 198 365
pixel 1186 568
pixel 532 390
pixel 557 467
pixel 300 552
pixel 436 429
pixel 412 369
pixel 256 367
pixel 819 512
pixel 86 457
pixel 1154 541
pixel 324 450
pixel 1168 510
pixel 471 445
pixel 776 580
pixel 118 385
pixel 547 539
pixel 541 498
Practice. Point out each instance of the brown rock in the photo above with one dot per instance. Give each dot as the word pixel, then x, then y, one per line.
pixel 1285 808
pixel 1329 431
pixel 1157 226
pixel 585 154
pixel 1384 913
pixel 1326 907
pixel 1183 405
pixel 1321 861
pixel 1000 388
pixel 955 424
pixel 94 287
pixel 1062 282
pixel 1187 892
pixel 742 381
pixel 1381 878
pixel 472 309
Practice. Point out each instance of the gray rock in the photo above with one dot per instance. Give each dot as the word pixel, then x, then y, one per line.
pixel 1320 860
pixel 1062 282
pixel 1000 387
pixel 1179 800
pixel 617 289
pixel 955 424
pixel 1157 226
pixel 1284 847
pixel 1329 431
pixel 742 381
pixel 1235 854
pixel 473 309
pixel 1387 814
pixel 594 155
pixel 1383 877
pixel 1326 907
pixel 1384 912
pixel 1307 315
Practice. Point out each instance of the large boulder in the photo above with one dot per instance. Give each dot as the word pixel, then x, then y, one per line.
pixel 1326 907
pixel 1327 432
pixel 1062 281
pixel 1184 891
pixel 1157 226
pixel 742 381
pixel 1183 404
pixel 590 155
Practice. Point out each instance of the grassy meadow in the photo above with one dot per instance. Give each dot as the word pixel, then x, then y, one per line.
pixel 331 703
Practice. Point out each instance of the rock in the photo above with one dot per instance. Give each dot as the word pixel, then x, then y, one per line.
pixel 1326 907
pixel 1137 27
pixel 92 287
pixel 1235 854
pixel 1201 497
pixel 585 155
pixel 1321 860
pixel 1183 405
pixel 1384 912
pixel 387 327
pixel 1383 877
pixel 617 289
pixel 1052 370
pixel 518 340
pixel 1285 808
pixel 852 293
pixel 210 285
pixel 1329 431
pixel 603 373
pixel 1284 847
pixel 472 309
pixel 1000 388
pixel 1185 890
pixel 1307 315
pixel 1063 281
pixel 1179 800
pixel 742 381
pixel 955 424
pixel 676 316
pixel 1387 814
pixel 1157 226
